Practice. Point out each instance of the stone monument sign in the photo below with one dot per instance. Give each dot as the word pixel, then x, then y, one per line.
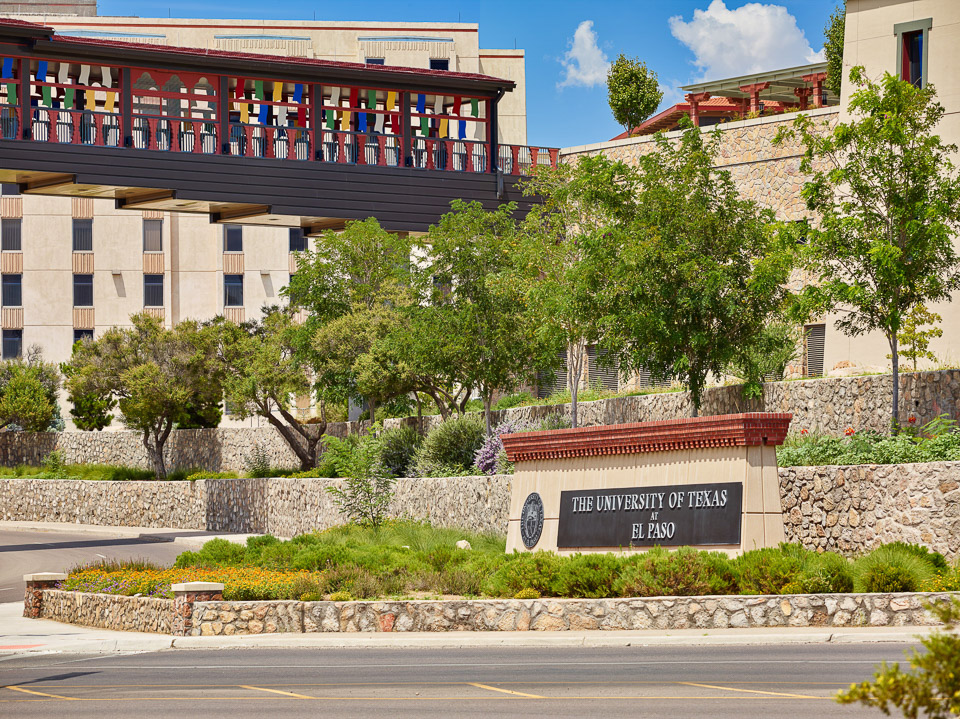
pixel 708 482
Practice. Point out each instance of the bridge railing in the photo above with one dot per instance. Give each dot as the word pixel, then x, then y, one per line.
pixel 77 127
pixel 175 135
pixel 524 159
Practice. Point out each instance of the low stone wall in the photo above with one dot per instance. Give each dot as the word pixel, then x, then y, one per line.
pixel 826 405
pixel 853 509
pixel 283 507
pixel 490 615
pixel 108 611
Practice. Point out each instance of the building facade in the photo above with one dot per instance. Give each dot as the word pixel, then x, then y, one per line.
pixel 72 267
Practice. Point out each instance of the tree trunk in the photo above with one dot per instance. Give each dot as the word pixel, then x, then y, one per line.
pixel 574 373
pixel 155 453
pixel 306 454
pixel 895 422
pixel 372 404
pixel 487 404
pixel 419 413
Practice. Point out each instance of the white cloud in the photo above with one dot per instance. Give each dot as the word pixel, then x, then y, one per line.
pixel 752 38
pixel 585 63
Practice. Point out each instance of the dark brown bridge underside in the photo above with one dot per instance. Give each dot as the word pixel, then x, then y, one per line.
pixel 282 193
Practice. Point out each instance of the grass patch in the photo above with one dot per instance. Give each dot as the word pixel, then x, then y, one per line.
pixel 93 472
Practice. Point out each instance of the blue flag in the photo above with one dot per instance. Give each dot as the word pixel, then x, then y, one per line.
pixel 42 71
pixel 421 102
pixel 8 67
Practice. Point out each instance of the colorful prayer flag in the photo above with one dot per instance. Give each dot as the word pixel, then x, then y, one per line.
pixel 421 103
pixel 298 92
pixel 258 89
pixel 7 67
pixel 107 76
pixel 278 92
pixel 84 74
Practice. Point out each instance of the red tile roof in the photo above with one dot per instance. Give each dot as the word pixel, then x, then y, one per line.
pixel 713 107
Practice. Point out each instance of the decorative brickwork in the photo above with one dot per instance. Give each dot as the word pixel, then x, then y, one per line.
pixel 33 596
pixel 731 430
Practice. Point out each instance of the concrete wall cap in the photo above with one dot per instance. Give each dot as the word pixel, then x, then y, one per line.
pixel 197 587
pixel 44 577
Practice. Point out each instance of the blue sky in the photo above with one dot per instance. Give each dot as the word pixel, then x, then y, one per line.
pixel 567 43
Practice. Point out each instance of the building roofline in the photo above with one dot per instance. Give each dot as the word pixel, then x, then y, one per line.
pixel 734 83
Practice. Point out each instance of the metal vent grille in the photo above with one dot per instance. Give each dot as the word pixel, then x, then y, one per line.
pixel 813 341
pixel 546 386
pixel 598 373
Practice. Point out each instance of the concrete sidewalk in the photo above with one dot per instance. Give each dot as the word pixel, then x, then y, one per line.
pixel 191 538
pixel 19 636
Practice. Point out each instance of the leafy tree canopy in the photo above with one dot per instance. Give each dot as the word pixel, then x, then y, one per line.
pixel 833 48
pixel 632 91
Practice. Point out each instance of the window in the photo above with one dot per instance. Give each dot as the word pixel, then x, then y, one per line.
pixel 298 240
pixel 153 235
pixel 153 290
pixel 9 189
pixel 12 344
pixel 83 290
pixel 232 238
pixel 600 373
pixel 813 344
pixel 439 64
pixel 912 50
pixel 10 231
pixel 233 290
pixel 81 335
pixel 374 60
pixel 83 235
pixel 12 291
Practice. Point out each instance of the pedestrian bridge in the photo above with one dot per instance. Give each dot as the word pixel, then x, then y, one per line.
pixel 250 139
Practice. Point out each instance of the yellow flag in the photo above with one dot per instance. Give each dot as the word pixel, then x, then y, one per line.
pixel 345 121
pixel 443 127
pixel 111 98
pixel 244 111
pixel 91 100
pixel 391 100
pixel 278 92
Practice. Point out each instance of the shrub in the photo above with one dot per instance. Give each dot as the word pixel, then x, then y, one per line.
pixel 588 575
pixel 367 486
pixel 450 447
pixel 681 573
pixel 257 462
pixel 398 449
pixel 936 560
pixel 203 474
pixel 514 400
pixel 491 458
pixel 527 594
pixel 768 570
pixel 825 573
pixel 890 568
pixel 341 597
pixel 127 474
pixel 216 552
pixel 53 465
pixel 529 570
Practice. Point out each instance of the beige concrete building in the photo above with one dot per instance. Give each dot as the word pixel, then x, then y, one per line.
pixel 72 267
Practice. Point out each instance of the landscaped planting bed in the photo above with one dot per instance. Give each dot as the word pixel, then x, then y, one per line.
pixel 413 560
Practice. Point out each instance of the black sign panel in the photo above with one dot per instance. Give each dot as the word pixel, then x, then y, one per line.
pixel 647 516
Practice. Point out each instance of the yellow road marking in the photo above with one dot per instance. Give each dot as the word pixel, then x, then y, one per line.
pixel 410 699
pixel 276 691
pixel 752 691
pixel 505 691
pixel 39 694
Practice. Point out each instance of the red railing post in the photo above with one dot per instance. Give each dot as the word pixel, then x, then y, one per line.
pixel 269 137
pixel 52 118
pixel 341 147
pixel 382 150
pixel 515 156
pixel 174 135
pixel 554 156
pixel 429 143
pixel 450 145
pixel 534 152
pixel 248 135
pixel 98 129
pixel 197 136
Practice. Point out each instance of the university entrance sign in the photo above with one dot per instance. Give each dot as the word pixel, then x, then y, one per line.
pixel 706 482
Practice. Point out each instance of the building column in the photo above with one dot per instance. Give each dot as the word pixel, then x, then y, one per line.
pixel 695 98
pixel 804 94
pixel 754 91
pixel 33 596
pixel 816 79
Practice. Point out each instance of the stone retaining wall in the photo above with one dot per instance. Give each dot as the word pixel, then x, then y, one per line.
pixel 856 508
pixel 108 611
pixel 666 613
pixel 283 507
pixel 823 405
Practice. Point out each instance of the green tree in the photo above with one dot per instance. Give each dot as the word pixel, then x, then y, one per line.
pixel 887 199
pixel 579 201
pixel 932 689
pixel 28 392
pixel 833 48
pixel 477 308
pixel 632 91
pixel 152 372
pixel 767 355
pixel 695 275
pixel 914 339
pixel 366 489
pixel 353 286
pixel 263 375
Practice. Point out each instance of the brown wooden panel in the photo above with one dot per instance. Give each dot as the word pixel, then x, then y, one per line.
pixel 158 312
pixel 233 263
pixel 11 208
pixel 12 318
pixel 153 214
pixel 11 263
pixel 234 314
pixel 82 208
pixel 153 263
pixel 83 263
pixel 83 318
pixel 292 262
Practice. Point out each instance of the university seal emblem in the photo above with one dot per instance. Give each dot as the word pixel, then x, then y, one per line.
pixel 531 521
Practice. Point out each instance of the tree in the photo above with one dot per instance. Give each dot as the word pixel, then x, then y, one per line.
pixel 262 375
pixel 579 201
pixel 153 373
pixel 695 275
pixel 478 310
pixel 367 486
pixel 353 285
pixel 632 91
pixel 28 392
pixel 916 340
pixel 932 689
pixel 887 199
pixel 767 355
pixel 833 48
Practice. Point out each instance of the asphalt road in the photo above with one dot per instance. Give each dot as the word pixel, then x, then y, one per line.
pixel 23 552
pixel 795 681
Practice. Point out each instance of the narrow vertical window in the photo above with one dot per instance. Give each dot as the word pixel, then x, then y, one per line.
pixel 10 232
pixel 82 335
pixel 232 238
pixel 153 290
pixel 12 344
pixel 83 290
pixel 913 50
pixel 298 240
pixel 12 290
pixel 83 235
pixel 153 235
pixel 233 290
